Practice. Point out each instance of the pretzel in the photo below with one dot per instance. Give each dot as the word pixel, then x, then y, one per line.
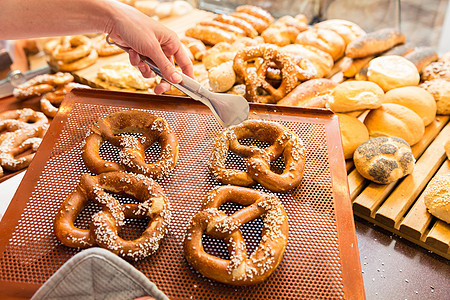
pixel 79 64
pixel 239 269
pixel 132 156
pixel 249 30
pixel 51 101
pixel 259 24
pixel 24 130
pixel 257 12
pixel 107 223
pixel 282 142
pixel 72 48
pixel 255 79
pixel 103 48
pixel 41 84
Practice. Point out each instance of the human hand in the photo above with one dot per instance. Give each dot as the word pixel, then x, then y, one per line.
pixel 131 28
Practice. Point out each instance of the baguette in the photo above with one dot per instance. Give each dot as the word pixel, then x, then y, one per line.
pixel 307 91
pixel 422 57
pixel 249 30
pixel 356 65
pixel 374 43
pixel 210 35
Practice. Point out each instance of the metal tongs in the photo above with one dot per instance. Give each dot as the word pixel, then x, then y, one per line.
pixel 228 109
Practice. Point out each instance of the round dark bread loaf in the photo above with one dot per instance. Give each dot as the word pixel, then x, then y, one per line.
pixel 384 159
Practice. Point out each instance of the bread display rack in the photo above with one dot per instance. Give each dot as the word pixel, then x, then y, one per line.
pixel 321 259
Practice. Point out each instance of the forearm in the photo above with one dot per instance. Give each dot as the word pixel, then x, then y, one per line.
pixel 41 18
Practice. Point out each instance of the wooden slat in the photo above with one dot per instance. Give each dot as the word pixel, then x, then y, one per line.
pixel 418 218
pixel 439 236
pixel 394 208
pixel 366 202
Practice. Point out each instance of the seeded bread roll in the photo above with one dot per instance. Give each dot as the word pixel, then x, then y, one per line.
pixel 374 43
pixel 437 197
pixel 416 99
pixel 395 120
pixel 355 95
pixel 440 89
pixel 353 134
pixel 384 159
pixel 392 71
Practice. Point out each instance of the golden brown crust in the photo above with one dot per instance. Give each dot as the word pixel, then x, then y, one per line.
pixel 72 48
pixel 249 30
pixel 374 42
pixel 384 159
pixel 79 64
pixel 259 24
pixel 105 49
pixel 257 12
pixel 324 39
pixel 132 156
pixel 355 95
pixel 282 142
pixel 255 79
pixel 41 84
pixel 195 46
pixel 437 197
pixel 240 269
pixel 306 91
pixel 322 61
pixel 236 30
pixel 353 134
pixel 106 224
pixel 440 89
pixel 346 29
pixel 24 130
pixel 210 35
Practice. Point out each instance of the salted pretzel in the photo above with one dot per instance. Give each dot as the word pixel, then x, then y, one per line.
pixel 103 48
pixel 106 224
pixel 51 101
pixel 22 130
pixel 132 155
pixel 72 48
pixel 255 79
pixel 257 12
pixel 78 64
pixel 240 269
pixel 249 30
pixel 41 84
pixel 282 141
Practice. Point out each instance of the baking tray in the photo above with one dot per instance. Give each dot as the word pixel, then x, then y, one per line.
pixel 321 259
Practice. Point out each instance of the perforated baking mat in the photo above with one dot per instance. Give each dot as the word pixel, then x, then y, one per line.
pixel 321 259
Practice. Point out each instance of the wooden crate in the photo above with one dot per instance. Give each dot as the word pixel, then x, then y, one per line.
pixel 398 207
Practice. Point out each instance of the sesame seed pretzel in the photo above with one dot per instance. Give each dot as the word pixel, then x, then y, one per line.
pixel 107 223
pixel 255 79
pixel 282 142
pixel 41 84
pixel 71 48
pixel 239 269
pixel 51 101
pixel 132 155
pixel 22 131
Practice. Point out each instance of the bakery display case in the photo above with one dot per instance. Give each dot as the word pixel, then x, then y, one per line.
pixel 347 145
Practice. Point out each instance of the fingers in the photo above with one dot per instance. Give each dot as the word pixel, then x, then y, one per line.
pixel 162 87
pixel 166 67
pixel 184 62
pixel 143 67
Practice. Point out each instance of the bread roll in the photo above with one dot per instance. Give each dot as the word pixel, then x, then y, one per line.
pixel 374 43
pixel 384 159
pixel 355 95
pixel 304 92
pixel 210 35
pixel 222 78
pixel 346 29
pixel 437 197
pixel 180 8
pixel 392 71
pixel 322 61
pixel 437 70
pixel 395 120
pixel 324 39
pixel 416 99
pixel 440 89
pixel 148 7
pixel 353 134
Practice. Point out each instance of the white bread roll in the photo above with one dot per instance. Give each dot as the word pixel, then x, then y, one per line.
pixel 222 78
pixel 384 159
pixel 392 71
pixel 416 99
pixel 437 197
pixel 355 95
pixel 395 120
pixel 353 134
